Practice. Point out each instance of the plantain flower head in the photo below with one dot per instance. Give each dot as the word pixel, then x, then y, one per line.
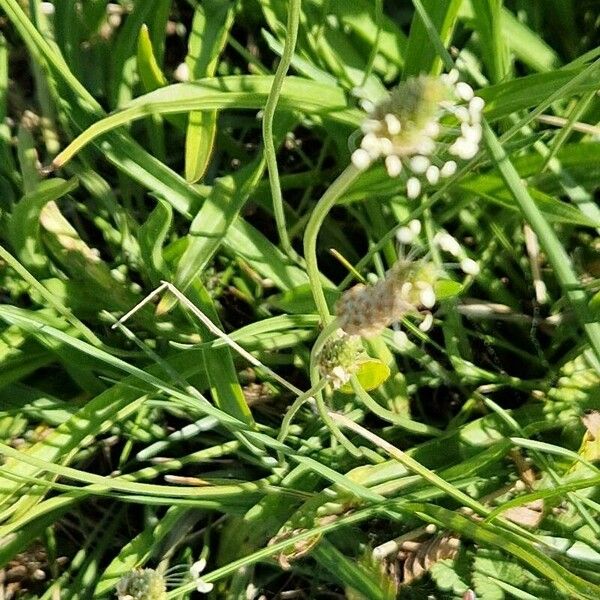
pixel 408 288
pixel 339 358
pixel 142 584
pixel 420 128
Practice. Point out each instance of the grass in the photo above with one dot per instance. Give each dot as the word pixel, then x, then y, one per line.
pixel 171 255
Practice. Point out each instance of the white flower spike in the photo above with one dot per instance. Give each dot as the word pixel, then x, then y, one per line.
pixel 415 128
pixel 142 584
pixel 407 288
pixel 339 358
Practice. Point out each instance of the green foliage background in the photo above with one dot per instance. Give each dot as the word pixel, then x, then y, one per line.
pixel 156 442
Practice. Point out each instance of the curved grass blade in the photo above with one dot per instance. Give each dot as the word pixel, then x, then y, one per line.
pixel 210 27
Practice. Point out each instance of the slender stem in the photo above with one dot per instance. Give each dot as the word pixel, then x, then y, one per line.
pixel 295 407
pixel 392 417
pixel 267 125
pixel 324 205
pixel 413 465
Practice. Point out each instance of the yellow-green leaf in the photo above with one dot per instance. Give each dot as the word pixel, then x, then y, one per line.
pixel 371 373
pixel 447 288
pixel 149 72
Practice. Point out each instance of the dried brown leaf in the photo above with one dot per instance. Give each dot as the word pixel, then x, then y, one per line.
pixel 419 557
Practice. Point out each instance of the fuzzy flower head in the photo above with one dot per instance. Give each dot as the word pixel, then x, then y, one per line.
pixel 339 358
pixel 408 288
pixel 142 584
pixel 420 128
pixel 148 584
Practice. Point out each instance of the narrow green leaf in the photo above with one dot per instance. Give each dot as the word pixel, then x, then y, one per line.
pixel 123 55
pixel 210 225
pixel 488 20
pixel 151 237
pixel 151 75
pixel 532 90
pixel 421 55
pixel 210 27
pixel 298 300
pixel 556 211
pixel 235 91
pixel 526 44
pixel 25 221
pixel 222 377
pixel 361 581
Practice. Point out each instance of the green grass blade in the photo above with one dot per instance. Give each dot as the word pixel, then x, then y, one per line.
pixel 557 257
pixel 421 55
pixel 210 28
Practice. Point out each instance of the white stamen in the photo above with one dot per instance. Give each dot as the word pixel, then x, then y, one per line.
pixel 251 591
pixel 471 132
pixel 427 296
pixel 448 169
pixel 425 146
pixel 204 587
pixel 393 165
pixel 413 188
pixel 197 568
pixel 361 159
pixel 182 72
pixel 370 126
pixel 457 147
pixel 541 291
pixel 404 235
pixel 393 124
pixel 419 164
pixel 468 149
pixel 448 243
pixel 415 226
pixel 451 77
pixel 401 340
pixel 462 114
pixel 475 117
pixel 427 322
pixel 370 142
pixel 464 148
pixel 469 266
pixel 464 91
pixel 367 105
pixel 432 129
pixel 432 174
pixel 386 147
pixel 476 105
